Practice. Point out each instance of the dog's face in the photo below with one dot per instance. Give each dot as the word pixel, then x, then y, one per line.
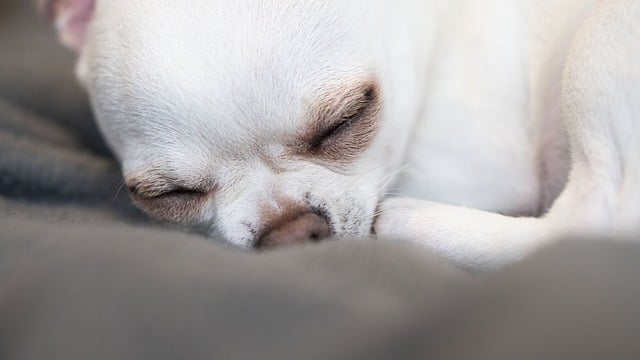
pixel 259 121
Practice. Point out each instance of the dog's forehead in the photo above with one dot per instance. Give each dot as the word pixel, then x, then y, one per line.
pixel 215 73
pixel 224 48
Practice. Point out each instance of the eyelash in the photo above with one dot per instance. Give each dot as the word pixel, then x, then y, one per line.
pixel 334 131
pixel 179 192
pixel 345 123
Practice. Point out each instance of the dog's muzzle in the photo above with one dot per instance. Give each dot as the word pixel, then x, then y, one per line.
pixel 301 228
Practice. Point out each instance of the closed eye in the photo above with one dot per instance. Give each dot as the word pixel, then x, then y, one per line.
pixel 161 190
pixel 177 192
pixel 168 198
pixel 346 121
pixel 172 204
pixel 343 129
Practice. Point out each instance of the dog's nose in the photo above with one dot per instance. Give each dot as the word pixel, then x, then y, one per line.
pixel 309 227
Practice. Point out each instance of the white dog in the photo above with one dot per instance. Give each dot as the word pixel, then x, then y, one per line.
pixel 500 125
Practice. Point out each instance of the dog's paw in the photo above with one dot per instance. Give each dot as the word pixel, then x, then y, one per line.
pixel 470 238
pixel 395 219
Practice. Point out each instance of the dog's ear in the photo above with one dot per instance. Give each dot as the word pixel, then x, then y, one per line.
pixel 71 19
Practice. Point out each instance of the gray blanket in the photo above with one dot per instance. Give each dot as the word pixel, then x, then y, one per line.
pixel 84 275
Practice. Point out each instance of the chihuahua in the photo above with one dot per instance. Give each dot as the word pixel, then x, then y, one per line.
pixel 482 130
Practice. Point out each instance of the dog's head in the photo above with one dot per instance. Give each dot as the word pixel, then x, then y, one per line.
pixel 262 121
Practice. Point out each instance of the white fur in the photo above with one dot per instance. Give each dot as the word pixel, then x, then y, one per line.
pixel 490 109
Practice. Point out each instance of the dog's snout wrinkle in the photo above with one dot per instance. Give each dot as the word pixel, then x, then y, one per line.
pixel 306 228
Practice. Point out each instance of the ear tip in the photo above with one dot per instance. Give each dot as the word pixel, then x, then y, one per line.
pixel 69 17
pixel 51 8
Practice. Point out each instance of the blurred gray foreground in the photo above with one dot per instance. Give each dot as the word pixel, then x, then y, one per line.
pixel 83 275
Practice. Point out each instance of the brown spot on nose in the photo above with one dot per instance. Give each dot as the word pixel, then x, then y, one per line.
pixel 306 228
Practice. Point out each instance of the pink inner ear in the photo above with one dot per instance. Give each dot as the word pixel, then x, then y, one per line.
pixel 71 18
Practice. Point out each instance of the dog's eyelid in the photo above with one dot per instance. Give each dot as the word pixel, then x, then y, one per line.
pixel 355 106
pixel 163 187
pixel 348 113
pixel 345 127
pixel 179 191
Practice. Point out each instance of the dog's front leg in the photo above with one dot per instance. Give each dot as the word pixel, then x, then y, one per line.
pixel 601 88
pixel 473 239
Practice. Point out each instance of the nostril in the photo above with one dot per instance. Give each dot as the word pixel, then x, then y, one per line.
pixel 315 237
pixel 308 227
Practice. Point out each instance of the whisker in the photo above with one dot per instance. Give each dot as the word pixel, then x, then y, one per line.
pixel 362 175
pixel 120 187
pixel 393 174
